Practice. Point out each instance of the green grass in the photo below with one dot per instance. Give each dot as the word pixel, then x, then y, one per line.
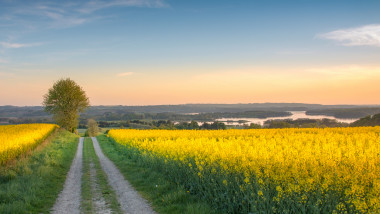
pixel 164 195
pixel 108 194
pixel 31 185
pixel 86 203
pixel 81 132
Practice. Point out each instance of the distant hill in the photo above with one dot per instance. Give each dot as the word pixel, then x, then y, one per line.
pixel 24 111
pixel 175 112
pixel 372 120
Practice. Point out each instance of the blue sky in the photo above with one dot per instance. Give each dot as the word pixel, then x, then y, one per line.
pixel 160 49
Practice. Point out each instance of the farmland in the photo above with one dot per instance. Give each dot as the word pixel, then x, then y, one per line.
pixel 17 139
pixel 271 170
pixel 293 170
pixel 31 184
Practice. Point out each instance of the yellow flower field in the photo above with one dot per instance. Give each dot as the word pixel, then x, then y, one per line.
pixel 272 170
pixel 17 139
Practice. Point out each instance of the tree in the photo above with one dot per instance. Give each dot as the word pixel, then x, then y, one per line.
pixel 254 126
pixel 194 125
pixel 65 100
pixel 93 128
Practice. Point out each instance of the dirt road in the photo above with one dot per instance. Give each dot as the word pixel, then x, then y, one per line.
pixel 131 202
pixel 69 199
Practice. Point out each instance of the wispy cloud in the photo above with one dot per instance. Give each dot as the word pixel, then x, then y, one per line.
pixel 92 6
pixel 124 74
pixel 3 61
pixel 368 35
pixel 17 45
pixel 55 15
pixel 70 13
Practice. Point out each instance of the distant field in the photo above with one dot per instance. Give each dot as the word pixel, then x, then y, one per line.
pixel 272 171
pixel 81 132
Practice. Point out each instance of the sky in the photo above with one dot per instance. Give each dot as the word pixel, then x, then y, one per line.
pixel 151 52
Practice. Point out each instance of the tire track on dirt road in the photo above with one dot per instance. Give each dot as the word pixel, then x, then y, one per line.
pixel 69 199
pixel 129 199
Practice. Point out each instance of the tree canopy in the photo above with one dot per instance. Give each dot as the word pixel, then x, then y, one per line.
pixel 65 100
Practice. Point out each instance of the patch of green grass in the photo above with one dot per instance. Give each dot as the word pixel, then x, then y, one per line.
pixel 86 203
pixel 81 132
pixel 164 195
pixel 32 184
pixel 89 156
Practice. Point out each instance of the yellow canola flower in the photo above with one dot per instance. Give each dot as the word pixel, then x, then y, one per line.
pixel 17 139
pixel 298 162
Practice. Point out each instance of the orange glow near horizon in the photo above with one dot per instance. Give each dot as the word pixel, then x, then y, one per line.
pixel 331 85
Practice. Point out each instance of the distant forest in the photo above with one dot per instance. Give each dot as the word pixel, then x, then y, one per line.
pixel 179 116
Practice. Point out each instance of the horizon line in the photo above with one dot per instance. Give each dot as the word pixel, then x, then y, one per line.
pixel 214 104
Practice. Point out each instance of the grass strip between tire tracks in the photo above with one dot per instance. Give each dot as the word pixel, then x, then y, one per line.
pixel 101 178
pixel 32 184
pixel 164 195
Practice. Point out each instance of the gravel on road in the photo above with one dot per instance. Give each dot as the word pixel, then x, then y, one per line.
pixel 69 199
pixel 129 199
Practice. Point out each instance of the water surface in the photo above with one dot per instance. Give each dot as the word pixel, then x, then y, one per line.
pixel 295 115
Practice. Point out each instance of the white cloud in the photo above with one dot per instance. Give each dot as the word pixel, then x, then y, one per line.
pixel 125 74
pixel 17 45
pixel 368 35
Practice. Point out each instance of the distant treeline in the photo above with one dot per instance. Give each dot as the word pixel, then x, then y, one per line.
pixel 345 112
pixel 176 112
pixel 167 124
pixel 25 120
pixel 115 116
pixel 30 111
pixel 27 111
pixel 156 117
pixel 304 123
pixel 160 124
pixel 373 120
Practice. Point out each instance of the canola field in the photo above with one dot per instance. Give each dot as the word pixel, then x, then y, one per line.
pixel 330 170
pixel 15 140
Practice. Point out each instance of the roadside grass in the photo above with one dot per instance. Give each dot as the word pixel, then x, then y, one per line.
pixel 165 196
pixel 32 184
pixel 89 156
pixel 81 132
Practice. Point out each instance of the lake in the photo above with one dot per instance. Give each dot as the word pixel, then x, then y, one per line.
pixel 295 115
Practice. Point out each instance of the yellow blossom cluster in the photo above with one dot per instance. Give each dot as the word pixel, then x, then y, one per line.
pixel 17 139
pixel 284 170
